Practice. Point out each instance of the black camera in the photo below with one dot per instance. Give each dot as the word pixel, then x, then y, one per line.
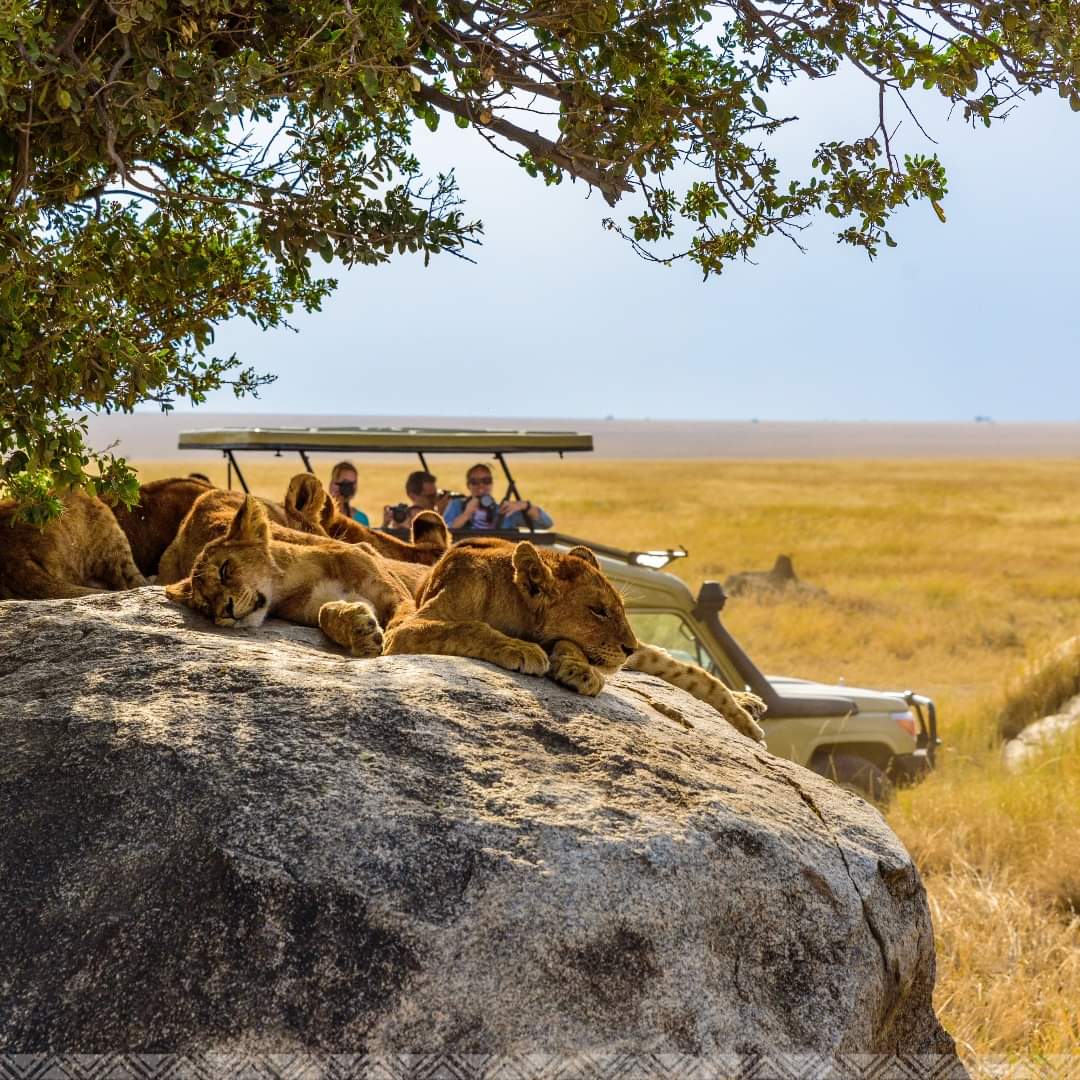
pixel 400 513
pixel 346 488
pixel 487 502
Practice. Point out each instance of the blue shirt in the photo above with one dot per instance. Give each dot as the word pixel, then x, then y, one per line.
pixel 359 515
pixel 516 520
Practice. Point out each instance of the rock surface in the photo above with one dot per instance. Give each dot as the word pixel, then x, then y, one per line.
pixel 244 841
pixel 1034 740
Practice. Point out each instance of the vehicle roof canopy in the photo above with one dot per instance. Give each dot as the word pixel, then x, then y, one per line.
pixel 386 440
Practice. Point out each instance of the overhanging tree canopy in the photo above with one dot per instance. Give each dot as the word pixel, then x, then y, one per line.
pixel 168 164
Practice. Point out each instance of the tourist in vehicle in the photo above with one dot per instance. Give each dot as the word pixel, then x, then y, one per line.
pixel 479 510
pixel 423 493
pixel 343 488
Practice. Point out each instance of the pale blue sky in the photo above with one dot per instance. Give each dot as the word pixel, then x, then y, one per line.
pixel 560 318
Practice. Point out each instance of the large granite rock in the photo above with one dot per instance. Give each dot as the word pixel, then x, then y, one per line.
pixel 245 841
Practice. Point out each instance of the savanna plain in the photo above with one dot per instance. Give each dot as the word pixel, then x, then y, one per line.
pixel 950 577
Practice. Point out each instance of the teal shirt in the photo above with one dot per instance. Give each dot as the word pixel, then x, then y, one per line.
pixel 359 515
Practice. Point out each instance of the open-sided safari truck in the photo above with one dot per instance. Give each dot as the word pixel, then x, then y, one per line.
pixel 866 740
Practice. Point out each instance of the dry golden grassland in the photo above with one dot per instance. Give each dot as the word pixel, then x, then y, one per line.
pixel 943 576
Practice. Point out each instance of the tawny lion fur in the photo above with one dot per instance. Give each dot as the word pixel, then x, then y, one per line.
pixel 240 578
pixel 306 507
pixel 152 524
pixel 525 609
pixel 310 509
pixel 540 612
pixel 82 552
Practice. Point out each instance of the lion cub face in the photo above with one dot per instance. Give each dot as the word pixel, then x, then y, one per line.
pixel 232 581
pixel 574 602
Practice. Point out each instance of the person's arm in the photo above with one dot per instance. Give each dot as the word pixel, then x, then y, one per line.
pixel 516 512
pixel 540 518
pixel 458 514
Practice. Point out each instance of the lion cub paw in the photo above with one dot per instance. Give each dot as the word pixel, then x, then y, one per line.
pixel 750 702
pixel 738 713
pixel 577 674
pixel 524 657
pixel 353 625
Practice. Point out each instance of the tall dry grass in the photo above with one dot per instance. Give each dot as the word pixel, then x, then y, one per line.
pixel 948 577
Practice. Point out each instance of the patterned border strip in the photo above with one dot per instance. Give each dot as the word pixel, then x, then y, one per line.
pixel 226 1066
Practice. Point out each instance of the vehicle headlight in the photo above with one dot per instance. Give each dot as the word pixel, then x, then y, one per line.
pixel 906 720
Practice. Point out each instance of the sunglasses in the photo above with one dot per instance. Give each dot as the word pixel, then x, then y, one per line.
pixel 476 481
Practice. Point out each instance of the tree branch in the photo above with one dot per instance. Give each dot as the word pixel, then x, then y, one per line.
pixel 607 182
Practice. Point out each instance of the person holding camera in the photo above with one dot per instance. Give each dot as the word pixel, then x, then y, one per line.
pixel 343 488
pixel 422 490
pixel 479 510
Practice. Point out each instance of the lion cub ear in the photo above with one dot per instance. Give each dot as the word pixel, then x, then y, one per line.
pixel 250 525
pixel 180 592
pixel 429 529
pixel 531 574
pixel 305 497
pixel 584 553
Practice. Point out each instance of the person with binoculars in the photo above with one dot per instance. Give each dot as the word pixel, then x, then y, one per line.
pixel 424 494
pixel 343 488
pixel 479 510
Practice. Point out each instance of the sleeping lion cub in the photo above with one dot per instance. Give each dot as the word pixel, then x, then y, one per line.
pixel 82 552
pixel 240 578
pixel 546 612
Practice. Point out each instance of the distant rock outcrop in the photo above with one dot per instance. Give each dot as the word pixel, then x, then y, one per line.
pixel 223 841
pixel 781 578
pixel 1035 739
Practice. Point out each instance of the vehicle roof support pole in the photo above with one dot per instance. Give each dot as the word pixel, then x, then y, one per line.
pixel 307 463
pixel 423 463
pixel 239 474
pixel 511 488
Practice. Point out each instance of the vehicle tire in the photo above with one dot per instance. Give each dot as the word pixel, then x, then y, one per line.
pixel 857 774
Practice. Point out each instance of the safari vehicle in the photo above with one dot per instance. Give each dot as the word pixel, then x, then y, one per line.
pixel 866 740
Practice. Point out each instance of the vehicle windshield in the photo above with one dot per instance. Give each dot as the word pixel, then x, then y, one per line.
pixel 672 633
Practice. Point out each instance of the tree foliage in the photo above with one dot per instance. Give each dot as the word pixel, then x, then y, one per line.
pixel 168 164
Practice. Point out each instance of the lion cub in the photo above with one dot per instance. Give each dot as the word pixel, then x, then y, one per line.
pixel 309 509
pixel 82 552
pixel 545 612
pixel 239 579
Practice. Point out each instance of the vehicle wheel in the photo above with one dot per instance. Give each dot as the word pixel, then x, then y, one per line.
pixel 854 773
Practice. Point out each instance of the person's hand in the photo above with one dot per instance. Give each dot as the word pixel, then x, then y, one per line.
pixel 387 516
pixel 472 505
pixel 442 501
pixel 512 506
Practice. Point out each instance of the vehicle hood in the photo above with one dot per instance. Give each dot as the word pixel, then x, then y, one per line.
pixel 867 700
